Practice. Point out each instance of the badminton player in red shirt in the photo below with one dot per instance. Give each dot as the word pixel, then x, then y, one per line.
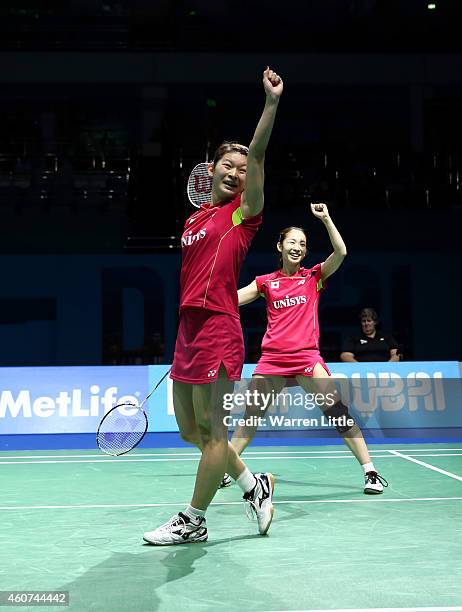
pixel 290 346
pixel 209 351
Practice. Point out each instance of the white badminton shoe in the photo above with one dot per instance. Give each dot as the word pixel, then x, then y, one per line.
pixel 374 483
pixel 180 529
pixel 260 501
pixel 226 482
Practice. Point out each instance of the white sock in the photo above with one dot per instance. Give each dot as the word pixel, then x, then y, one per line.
pixel 246 480
pixel 193 513
pixel 368 467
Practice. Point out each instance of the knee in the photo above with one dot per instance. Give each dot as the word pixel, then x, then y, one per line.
pixel 343 421
pixel 204 433
pixel 211 434
pixel 190 437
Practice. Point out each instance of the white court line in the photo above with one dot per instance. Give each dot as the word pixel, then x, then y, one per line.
pixel 436 455
pixel 170 459
pixel 413 609
pixel 373 500
pixel 164 458
pixel 417 450
pixel 405 450
pixel 245 454
pixel 196 457
pixel 426 465
pixel 194 454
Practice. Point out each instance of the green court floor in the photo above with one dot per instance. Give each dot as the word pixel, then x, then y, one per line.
pixel 74 521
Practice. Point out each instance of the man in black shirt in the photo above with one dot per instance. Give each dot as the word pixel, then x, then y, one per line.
pixel 371 345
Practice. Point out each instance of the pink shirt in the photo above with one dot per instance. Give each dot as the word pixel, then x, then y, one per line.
pixel 292 309
pixel 214 244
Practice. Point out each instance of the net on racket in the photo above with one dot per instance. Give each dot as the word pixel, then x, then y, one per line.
pixel 199 188
pixel 121 429
pixel 124 426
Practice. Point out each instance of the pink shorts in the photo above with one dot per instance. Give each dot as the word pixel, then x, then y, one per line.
pixel 290 364
pixel 205 340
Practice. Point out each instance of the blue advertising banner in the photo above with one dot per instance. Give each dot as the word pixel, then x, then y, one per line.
pixel 46 400
pixel 65 399
pixel 403 395
pixel 382 396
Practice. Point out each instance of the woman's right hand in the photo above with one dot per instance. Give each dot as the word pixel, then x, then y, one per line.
pixel 273 84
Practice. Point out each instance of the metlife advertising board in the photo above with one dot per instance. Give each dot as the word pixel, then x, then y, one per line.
pixel 57 400
pixel 67 399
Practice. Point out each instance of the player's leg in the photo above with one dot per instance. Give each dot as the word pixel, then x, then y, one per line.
pixel 199 414
pixel 190 525
pixel 185 417
pixel 257 488
pixel 321 382
pixel 213 437
pixel 264 386
pixel 244 434
pixel 184 412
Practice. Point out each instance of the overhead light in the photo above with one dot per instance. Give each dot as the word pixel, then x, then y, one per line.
pixel 431 6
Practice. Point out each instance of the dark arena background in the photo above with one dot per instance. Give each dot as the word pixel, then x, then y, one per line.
pixel 106 107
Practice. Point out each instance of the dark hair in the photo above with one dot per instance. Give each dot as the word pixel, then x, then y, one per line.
pixel 282 235
pixel 369 313
pixel 229 147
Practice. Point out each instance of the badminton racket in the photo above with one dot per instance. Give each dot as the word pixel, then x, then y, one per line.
pixel 124 426
pixel 199 188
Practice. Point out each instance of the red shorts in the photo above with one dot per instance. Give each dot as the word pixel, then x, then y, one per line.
pixel 205 340
pixel 290 364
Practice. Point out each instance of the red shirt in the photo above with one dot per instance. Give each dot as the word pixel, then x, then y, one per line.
pixel 292 309
pixel 214 244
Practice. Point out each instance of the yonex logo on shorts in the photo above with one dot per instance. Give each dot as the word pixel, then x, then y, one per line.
pixel 211 373
pixel 308 370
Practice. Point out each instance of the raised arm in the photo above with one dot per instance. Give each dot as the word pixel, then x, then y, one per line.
pixel 252 198
pixel 248 294
pixel 336 258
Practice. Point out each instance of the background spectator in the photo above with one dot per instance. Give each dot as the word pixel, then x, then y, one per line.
pixel 371 344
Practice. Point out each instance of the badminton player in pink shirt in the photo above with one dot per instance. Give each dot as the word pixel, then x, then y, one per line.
pixel 209 351
pixel 290 347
